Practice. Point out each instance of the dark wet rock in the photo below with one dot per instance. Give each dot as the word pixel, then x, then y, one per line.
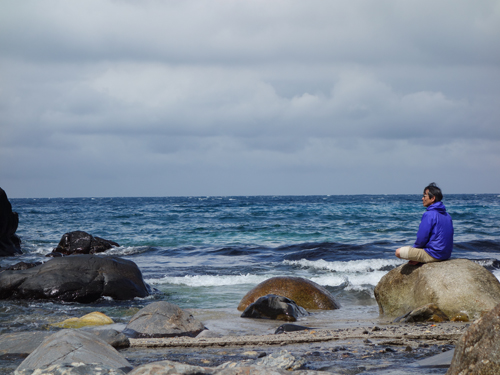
pixel 478 350
pixel 20 266
pixel 162 319
pixel 274 307
pixel 69 346
pixel 75 368
pixel 290 328
pixel 21 344
pixel 454 286
pixel 10 243
pixel 79 242
pixel 426 313
pixel 305 293
pixel 78 278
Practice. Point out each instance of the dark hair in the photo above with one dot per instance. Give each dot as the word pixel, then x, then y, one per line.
pixel 434 191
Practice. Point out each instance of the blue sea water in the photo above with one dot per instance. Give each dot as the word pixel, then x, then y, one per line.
pixel 205 253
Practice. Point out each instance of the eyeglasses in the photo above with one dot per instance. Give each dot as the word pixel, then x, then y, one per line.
pixel 425 195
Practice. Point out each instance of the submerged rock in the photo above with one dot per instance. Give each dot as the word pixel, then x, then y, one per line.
pixel 162 319
pixel 290 328
pixel 478 350
pixel 78 278
pixel 282 360
pixel 274 307
pixel 79 242
pixel 305 293
pixel 454 286
pixel 10 243
pixel 69 346
pixel 170 367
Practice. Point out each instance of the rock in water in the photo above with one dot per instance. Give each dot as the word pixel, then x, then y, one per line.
pixel 305 293
pixel 274 307
pixel 21 344
pixel 478 350
pixel 454 286
pixel 77 278
pixel 162 319
pixel 290 328
pixel 10 243
pixel 69 346
pixel 170 367
pixel 79 242
pixel 426 313
pixel 95 318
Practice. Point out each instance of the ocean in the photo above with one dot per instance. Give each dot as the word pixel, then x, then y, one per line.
pixel 206 253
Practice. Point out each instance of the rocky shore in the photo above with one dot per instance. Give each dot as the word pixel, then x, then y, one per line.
pixel 353 350
pixel 360 348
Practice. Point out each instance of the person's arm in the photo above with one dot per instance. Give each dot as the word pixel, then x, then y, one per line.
pixel 424 231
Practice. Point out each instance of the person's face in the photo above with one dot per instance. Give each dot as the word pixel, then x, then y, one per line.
pixel 426 200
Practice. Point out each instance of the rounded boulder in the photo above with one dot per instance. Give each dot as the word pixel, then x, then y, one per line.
pixel 455 286
pixel 303 292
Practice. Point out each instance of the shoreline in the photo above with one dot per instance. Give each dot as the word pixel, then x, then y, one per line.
pixel 361 349
pixel 426 332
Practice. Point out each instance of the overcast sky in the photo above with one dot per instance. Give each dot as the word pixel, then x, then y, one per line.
pixel 162 98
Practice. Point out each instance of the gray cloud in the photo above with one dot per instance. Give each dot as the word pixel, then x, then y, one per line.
pixel 247 97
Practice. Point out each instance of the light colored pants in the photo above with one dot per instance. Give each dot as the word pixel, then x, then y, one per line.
pixel 418 255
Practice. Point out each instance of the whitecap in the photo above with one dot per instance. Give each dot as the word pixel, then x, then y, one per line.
pixel 209 280
pixel 365 265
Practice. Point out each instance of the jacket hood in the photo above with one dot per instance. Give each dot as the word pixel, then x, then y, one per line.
pixel 438 206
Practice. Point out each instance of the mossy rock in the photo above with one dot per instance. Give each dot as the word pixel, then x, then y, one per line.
pixel 303 292
pixel 95 318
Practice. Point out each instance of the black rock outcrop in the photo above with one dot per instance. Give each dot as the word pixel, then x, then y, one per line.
pixel 79 242
pixel 10 243
pixel 77 278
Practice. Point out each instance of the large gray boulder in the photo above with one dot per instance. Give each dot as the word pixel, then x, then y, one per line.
pixel 305 293
pixel 455 286
pixel 162 319
pixel 73 346
pixel 478 350
pixel 76 278
pixel 21 344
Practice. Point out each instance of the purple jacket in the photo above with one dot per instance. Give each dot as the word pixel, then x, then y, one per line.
pixel 435 234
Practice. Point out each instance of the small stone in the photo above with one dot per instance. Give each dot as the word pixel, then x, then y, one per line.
pixel 374 329
pixel 408 349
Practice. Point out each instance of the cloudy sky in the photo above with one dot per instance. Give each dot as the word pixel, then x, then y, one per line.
pixel 162 98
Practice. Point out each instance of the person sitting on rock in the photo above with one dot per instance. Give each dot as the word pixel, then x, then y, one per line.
pixel 435 234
